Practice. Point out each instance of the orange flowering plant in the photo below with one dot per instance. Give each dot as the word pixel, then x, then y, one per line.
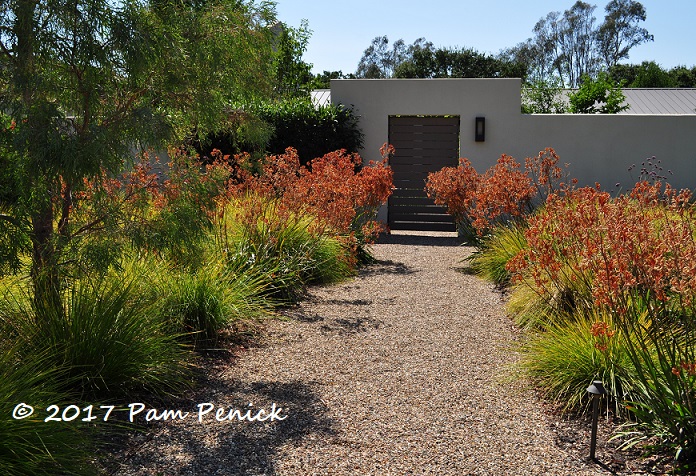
pixel 633 256
pixel 336 189
pixel 503 193
pixel 151 212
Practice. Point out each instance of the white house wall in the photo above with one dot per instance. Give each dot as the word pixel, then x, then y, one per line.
pixel 598 148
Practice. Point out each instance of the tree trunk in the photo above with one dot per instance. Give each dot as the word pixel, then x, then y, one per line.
pixel 44 270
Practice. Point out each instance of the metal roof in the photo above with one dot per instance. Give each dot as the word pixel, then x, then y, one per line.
pixel 321 97
pixel 649 101
pixel 660 101
pixel 654 101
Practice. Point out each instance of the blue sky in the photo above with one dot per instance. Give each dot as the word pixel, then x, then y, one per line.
pixel 343 29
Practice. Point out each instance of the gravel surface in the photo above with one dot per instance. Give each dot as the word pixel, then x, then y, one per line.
pixel 403 370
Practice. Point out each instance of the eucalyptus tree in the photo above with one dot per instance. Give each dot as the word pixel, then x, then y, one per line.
pixel 85 82
pixel 620 31
pixel 379 61
pixel 572 44
pixel 423 60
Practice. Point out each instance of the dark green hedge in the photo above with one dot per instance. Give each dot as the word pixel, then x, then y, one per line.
pixel 270 128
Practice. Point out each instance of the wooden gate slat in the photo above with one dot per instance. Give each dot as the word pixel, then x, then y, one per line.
pixel 424 144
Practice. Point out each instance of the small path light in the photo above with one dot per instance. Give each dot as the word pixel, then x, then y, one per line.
pixel 596 390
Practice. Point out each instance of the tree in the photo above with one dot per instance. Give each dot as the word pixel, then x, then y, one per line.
pixel 597 96
pixel 375 62
pixel 650 75
pixel 293 76
pixel 620 31
pixel 423 60
pixel 420 62
pixel 577 44
pixel 543 97
pixel 571 45
pixel 86 81
pixel 323 80
pixel 684 77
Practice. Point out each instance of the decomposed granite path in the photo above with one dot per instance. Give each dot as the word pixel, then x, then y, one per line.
pixel 402 370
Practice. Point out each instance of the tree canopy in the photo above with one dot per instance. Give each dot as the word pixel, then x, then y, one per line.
pixel 83 83
pixel 571 45
pixel 423 60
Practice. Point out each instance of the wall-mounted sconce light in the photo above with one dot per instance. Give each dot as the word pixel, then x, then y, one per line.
pixel 480 129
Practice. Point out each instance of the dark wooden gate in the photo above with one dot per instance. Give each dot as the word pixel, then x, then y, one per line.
pixel 423 144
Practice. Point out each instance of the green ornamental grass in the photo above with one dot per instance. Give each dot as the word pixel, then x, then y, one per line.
pixel 495 250
pixel 30 446
pixel 106 337
pixel 564 359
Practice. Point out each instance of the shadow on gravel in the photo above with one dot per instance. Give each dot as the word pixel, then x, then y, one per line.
pixel 449 239
pixel 348 302
pixel 386 267
pixel 349 326
pixel 239 447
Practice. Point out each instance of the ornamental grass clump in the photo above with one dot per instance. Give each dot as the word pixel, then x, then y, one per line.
pixel 568 355
pixel 200 306
pixel 495 250
pixel 635 257
pixel 105 338
pixel 28 444
pixel 284 251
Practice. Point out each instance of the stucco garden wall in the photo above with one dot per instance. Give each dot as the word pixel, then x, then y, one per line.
pixel 598 148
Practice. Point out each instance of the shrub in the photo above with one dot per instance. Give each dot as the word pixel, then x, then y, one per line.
pixel 599 95
pixel 343 200
pixel 502 194
pixel 313 131
pixel 169 216
pixel 635 255
pixel 271 127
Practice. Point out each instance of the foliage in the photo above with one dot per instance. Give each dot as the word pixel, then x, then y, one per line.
pixel 323 80
pixel 543 97
pixel 423 60
pixel 107 339
pixel 636 255
pixel 571 45
pixel 503 193
pixel 378 62
pixel 649 74
pixel 495 250
pixel 168 216
pixel 293 75
pixel 620 31
pixel 312 131
pixel 200 305
pixel 87 80
pixel 597 96
pixel 29 446
pixel 336 189
pixel 242 132
pixel 276 250
pixel 569 355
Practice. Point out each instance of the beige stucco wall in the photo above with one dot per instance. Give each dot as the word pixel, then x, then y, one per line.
pixel 598 148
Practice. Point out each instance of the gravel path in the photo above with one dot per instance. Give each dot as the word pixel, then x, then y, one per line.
pixel 400 371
